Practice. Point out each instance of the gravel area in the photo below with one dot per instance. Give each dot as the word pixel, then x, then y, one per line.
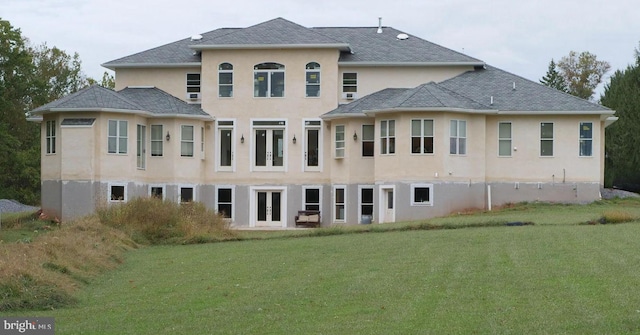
pixel 12 206
pixel 610 193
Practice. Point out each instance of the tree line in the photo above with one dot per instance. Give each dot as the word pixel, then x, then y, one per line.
pixel 30 76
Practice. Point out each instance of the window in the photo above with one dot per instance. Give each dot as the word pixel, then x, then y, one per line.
pixel 193 83
pixel 225 148
pixel 269 145
pixel 311 200
pixel 156 140
pixel 546 139
pixel 141 146
pixel 349 82
pixel 339 202
pixel 504 139
pixel 268 80
pixel 366 203
pixel 586 139
pixel 340 141
pixel 225 80
pixel 368 138
pixel 387 137
pixel 313 79
pixel 225 202
pixel 458 137
pixel 51 137
pixel 117 193
pixel 421 194
pixel 157 191
pixel 312 145
pixel 202 142
pixel 117 137
pixel 421 136
pixel 186 141
pixel 187 195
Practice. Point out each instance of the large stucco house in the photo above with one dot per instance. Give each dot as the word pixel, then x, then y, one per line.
pixel 363 124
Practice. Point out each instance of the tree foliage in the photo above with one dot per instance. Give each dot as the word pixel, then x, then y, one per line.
pixel 553 78
pixel 582 73
pixel 622 94
pixel 29 77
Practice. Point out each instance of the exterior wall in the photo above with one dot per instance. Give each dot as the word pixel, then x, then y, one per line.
pixel 170 80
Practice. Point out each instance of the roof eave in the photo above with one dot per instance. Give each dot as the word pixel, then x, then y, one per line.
pixel 113 66
pixel 125 111
pixel 603 113
pixel 339 46
pixel 610 120
pixel 409 64
pixel 373 112
pixel 330 117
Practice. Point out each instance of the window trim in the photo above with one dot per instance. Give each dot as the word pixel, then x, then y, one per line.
pixel 109 192
pixel 270 72
pixel 306 126
pixel 504 139
pixel 161 186
pixel 50 137
pixel 220 84
pixel 219 128
pixel 233 198
pixel 191 186
pixel 354 84
pixel 457 137
pixel 118 137
pixel 335 204
pixel 552 140
pixel 304 196
pixel 339 145
pixel 282 124
pixel 364 140
pixel 412 194
pixel 422 136
pixel 192 141
pixel 309 71
pixel 386 150
pixel 160 140
pixel 580 139
pixel 372 204
pixel 190 84
pixel 141 146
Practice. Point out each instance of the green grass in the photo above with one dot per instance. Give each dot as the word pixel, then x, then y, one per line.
pixel 563 279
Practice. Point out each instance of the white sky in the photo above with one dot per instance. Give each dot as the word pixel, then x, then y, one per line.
pixel 516 36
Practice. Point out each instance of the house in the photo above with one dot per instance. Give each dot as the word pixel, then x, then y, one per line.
pixel 364 124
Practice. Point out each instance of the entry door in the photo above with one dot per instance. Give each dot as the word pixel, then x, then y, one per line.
pixel 312 152
pixel 269 153
pixel 388 212
pixel 269 208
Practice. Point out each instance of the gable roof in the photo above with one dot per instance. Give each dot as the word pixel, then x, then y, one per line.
pixel 484 90
pixel 148 101
pixel 357 46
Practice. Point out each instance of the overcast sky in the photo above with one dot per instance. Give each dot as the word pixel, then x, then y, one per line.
pixel 517 36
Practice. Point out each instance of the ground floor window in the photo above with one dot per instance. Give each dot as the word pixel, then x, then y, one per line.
pixel 421 194
pixel 225 202
pixel 311 199
pixel 117 193
pixel 366 204
pixel 187 194
pixel 157 191
pixel 339 201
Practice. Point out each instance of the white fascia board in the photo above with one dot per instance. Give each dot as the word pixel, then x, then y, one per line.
pixel 340 46
pixel 409 64
pixel 431 109
pixel 610 120
pixel 603 113
pixel 127 111
pixel 114 66
pixel 343 116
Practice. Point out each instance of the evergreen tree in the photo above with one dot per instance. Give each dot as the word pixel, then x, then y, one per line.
pixel 622 157
pixel 553 78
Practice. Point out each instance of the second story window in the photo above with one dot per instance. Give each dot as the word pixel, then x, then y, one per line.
pixel 339 141
pixel 193 86
pixel 368 138
pixel 313 79
pixel 458 137
pixel 117 136
pixel 51 137
pixel 546 139
pixel 268 80
pixel 349 82
pixel 586 139
pixel 504 139
pixel 186 141
pixel 157 137
pixel 421 136
pixel 225 80
pixel 387 137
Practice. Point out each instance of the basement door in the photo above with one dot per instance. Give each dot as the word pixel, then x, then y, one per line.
pixel 388 204
pixel 268 207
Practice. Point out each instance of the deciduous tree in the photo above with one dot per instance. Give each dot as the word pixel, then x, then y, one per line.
pixel 582 73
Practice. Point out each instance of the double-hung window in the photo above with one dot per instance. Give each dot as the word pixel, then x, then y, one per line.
pixel 312 79
pixel 51 137
pixel 504 139
pixel 387 137
pixel 368 138
pixel 339 203
pixel 586 139
pixel 546 139
pixel 458 137
pixel 339 140
pixel 225 80
pixel 225 202
pixel 193 86
pixel 156 140
pixel 366 202
pixel 117 136
pixel 186 141
pixel 421 136
pixel 311 199
pixel 268 80
pixel 349 82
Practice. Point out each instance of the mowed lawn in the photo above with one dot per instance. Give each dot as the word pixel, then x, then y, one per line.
pixel 541 279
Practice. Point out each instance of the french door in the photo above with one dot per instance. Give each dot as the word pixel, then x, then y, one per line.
pixel 269 149
pixel 268 207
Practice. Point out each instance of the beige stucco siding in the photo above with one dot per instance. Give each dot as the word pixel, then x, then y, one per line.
pixel 170 80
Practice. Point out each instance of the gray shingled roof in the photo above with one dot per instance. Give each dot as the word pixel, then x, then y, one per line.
pixel 472 91
pixel 364 43
pixel 151 100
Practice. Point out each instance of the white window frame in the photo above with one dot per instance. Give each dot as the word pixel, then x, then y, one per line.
pixel 552 139
pixel 372 204
pixel 335 204
pixel 310 69
pixel 161 140
pixel 282 125
pixel 423 136
pixel 387 139
pixel 109 191
pixel 315 124
pixel 191 186
pixel 141 146
pixel 339 143
pixel 505 139
pixel 187 141
pixel 585 139
pixel 118 137
pixel 161 186
pixel 270 72
pixel 50 137
pixel 202 142
pixel 227 125
pixel 233 198
pixel 304 196
pixel 455 135
pixel 423 203
pixel 349 85
pixel 371 140
pixel 220 84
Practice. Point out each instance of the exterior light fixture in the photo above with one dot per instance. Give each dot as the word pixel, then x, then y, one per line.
pixel 294 139
pixel 242 138
pixel 168 137
pixel 355 136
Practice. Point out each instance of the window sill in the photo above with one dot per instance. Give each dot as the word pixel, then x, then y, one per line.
pixel 422 204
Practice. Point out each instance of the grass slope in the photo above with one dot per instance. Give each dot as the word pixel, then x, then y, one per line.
pixel 507 280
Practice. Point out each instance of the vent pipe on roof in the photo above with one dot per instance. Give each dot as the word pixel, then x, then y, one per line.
pixel 379 25
pixel 514 85
pixel 492 100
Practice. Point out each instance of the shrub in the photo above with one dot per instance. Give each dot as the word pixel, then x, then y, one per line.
pixel 617 216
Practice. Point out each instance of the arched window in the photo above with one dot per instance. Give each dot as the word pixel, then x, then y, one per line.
pixel 225 80
pixel 268 80
pixel 313 79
